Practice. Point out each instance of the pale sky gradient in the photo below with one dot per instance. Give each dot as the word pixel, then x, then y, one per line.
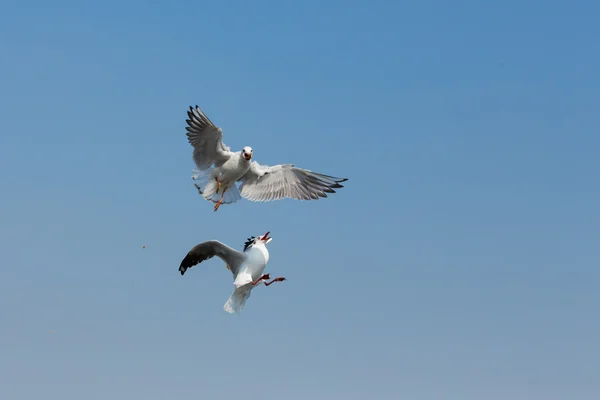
pixel 461 261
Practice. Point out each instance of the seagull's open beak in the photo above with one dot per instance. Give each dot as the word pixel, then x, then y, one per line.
pixel 247 156
pixel 266 238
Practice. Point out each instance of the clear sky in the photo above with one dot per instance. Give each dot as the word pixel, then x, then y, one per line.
pixel 461 261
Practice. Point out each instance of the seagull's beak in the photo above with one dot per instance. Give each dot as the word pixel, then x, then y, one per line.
pixel 247 156
pixel 266 238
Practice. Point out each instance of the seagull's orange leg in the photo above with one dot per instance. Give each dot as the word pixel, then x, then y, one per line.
pixel 218 185
pixel 218 204
pixel 220 200
pixel 280 279
pixel 265 277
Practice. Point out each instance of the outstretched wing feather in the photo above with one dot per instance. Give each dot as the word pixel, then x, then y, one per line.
pixel 207 250
pixel 268 183
pixel 207 140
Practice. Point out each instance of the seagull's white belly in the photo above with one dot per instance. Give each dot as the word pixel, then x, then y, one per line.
pixel 231 171
pixel 255 263
pixel 252 268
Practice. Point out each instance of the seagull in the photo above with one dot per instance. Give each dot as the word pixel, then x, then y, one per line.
pixel 247 267
pixel 218 170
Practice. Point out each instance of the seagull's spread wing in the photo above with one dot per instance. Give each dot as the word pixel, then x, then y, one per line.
pixel 267 183
pixel 207 140
pixel 209 249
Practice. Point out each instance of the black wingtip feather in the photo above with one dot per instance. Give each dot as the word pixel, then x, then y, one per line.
pixel 182 267
pixel 193 258
pixel 186 263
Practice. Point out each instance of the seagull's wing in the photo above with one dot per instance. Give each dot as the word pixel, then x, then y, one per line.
pixel 267 183
pixel 209 249
pixel 207 140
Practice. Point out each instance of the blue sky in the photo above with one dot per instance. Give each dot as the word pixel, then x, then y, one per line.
pixel 459 262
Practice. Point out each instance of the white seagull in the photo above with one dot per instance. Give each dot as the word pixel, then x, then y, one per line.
pixel 218 170
pixel 247 266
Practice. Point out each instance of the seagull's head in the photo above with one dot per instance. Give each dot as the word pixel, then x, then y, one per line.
pixel 247 153
pixel 257 240
pixel 264 239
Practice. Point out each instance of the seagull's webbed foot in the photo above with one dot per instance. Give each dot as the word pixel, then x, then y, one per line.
pixel 280 279
pixel 221 199
pixel 262 278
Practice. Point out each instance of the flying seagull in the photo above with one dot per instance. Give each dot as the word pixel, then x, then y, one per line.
pixel 247 267
pixel 218 170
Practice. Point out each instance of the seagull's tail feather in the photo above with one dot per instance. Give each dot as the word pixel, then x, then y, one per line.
pixel 207 186
pixel 236 302
pixel 232 194
pixel 205 183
